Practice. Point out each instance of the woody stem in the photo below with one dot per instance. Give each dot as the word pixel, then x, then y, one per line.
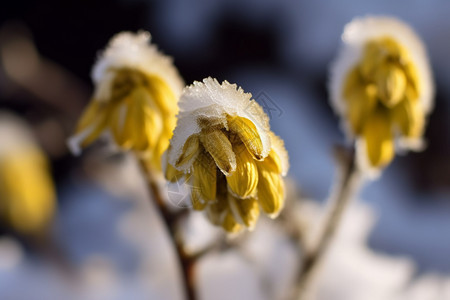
pixel 170 219
pixel 346 190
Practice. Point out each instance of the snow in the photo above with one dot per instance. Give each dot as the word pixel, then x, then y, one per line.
pixel 210 99
pixel 133 50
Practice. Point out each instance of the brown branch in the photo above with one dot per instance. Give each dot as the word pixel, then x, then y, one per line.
pixel 170 219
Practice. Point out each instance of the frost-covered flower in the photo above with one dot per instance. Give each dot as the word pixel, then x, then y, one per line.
pixel 382 87
pixel 223 145
pixel 135 99
pixel 27 193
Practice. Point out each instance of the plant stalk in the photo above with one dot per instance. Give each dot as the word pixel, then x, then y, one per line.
pixel 350 182
pixel 170 219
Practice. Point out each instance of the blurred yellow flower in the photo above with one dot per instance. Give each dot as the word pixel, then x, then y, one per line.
pixel 27 194
pixel 135 99
pixel 224 147
pixel 381 85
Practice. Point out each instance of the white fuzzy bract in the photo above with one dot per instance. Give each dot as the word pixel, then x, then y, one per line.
pixel 212 100
pixel 134 51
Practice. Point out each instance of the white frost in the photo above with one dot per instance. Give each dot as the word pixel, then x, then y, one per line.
pixel 133 50
pixel 209 99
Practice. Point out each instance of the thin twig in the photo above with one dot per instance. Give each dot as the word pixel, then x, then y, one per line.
pixel 186 262
pixel 350 182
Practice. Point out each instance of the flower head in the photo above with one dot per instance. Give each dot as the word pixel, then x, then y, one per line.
pixel 381 85
pixel 224 146
pixel 27 193
pixel 135 98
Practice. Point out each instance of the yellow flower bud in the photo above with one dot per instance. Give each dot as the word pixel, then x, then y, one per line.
pixel 273 162
pixel 377 135
pixel 248 134
pixel 245 211
pixel 244 180
pixel 172 174
pixel 204 173
pixel 230 224
pixel 391 84
pixel 218 145
pixel 381 85
pixel 236 146
pixel 136 94
pixel 198 202
pixel 27 196
pixel 270 190
pixel 190 149
pixel 409 118
pixel 27 193
pixel 361 100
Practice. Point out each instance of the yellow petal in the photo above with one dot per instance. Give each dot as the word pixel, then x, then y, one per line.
pixel 413 81
pixel 172 174
pixel 95 131
pixel 158 150
pixel 204 174
pixel 244 180
pixel 117 120
pixel 273 162
pixel 147 122
pixel 391 84
pixel 198 202
pixel 377 134
pixel 410 118
pixel 27 193
pixel 248 134
pixel 125 81
pixel 218 145
pixel 90 115
pixel 361 100
pixel 372 58
pixel 245 211
pixel 270 190
pixel 190 149
pixel 230 224
pixel 378 52
pixel 162 95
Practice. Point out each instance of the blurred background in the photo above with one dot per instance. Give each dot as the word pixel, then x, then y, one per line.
pixel 105 240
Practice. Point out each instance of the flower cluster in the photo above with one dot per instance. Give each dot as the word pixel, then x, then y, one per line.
pixel 135 99
pixel 224 147
pixel 381 86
